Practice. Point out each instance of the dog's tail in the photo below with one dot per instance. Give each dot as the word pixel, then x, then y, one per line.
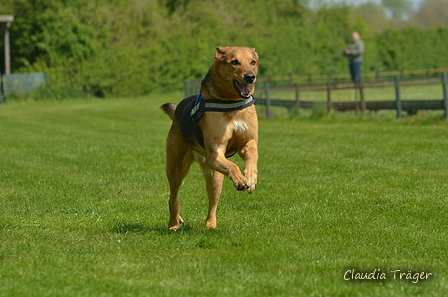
pixel 169 109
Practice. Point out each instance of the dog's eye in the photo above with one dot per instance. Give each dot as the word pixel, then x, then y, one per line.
pixel 235 63
pixel 253 63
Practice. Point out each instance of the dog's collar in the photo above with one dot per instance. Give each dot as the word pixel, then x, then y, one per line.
pixel 201 104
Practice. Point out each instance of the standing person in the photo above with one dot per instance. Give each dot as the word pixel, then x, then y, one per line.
pixel 354 53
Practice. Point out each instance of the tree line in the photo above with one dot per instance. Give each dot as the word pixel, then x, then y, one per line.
pixel 134 47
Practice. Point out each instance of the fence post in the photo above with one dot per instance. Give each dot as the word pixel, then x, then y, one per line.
pixel 329 105
pixel 1 90
pixel 7 46
pixel 445 93
pixel 268 100
pixel 186 89
pixel 398 97
pixel 297 96
pixel 356 88
pixel 363 101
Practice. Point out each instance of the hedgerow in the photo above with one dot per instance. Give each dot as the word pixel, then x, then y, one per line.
pixel 116 47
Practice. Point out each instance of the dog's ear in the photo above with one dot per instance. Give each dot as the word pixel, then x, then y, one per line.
pixel 221 53
pixel 254 52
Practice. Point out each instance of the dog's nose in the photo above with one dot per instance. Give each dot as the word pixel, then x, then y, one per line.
pixel 249 77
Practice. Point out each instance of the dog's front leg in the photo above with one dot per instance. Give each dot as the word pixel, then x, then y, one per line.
pixel 249 153
pixel 217 161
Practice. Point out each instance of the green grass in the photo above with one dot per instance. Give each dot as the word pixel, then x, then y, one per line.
pixel 84 210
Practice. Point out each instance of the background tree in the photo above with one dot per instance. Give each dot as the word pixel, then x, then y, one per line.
pixel 132 47
pixel 398 8
pixel 432 14
pixel 373 14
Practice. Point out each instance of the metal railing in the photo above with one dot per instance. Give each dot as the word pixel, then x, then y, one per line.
pixel 20 83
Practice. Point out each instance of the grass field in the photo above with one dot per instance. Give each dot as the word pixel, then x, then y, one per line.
pixel 84 210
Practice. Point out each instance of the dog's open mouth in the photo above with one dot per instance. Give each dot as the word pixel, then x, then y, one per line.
pixel 242 89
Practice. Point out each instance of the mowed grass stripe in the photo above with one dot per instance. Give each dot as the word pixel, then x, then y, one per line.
pixel 84 207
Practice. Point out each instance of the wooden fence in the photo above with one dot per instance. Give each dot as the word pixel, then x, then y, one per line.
pixel 383 79
pixel 361 105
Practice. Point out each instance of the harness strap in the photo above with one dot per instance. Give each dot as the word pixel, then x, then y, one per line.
pixel 201 104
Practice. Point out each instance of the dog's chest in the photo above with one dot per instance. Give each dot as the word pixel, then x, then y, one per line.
pixel 238 126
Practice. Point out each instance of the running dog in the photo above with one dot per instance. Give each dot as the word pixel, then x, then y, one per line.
pixel 210 127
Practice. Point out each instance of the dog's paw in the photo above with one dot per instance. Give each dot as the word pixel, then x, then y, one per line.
pixel 245 186
pixel 252 182
pixel 251 189
pixel 174 226
pixel 210 224
pixel 242 185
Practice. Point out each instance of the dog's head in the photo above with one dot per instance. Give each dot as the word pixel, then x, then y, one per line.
pixel 238 66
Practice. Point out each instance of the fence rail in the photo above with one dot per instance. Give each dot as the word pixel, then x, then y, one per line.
pixel 191 87
pixel 395 79
pixel 376 76
pixel 410 106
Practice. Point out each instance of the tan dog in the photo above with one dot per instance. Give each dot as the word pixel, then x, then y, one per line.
pixel 212 126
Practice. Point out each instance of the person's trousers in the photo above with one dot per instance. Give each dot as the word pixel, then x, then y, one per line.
pixel 355 71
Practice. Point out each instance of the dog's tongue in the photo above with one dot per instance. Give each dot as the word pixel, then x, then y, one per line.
pixel 244 88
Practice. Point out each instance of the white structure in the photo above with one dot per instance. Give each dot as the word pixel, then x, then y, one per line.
pixel 5 22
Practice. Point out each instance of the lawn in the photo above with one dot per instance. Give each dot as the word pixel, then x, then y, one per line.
pixel 84 207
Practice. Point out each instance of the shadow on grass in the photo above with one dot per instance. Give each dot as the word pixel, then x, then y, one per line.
pixel 200 238
pixel 130 228
pixel 142 229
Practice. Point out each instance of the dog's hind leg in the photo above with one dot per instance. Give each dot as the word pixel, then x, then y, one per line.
pixel 214 180
pixel 178 161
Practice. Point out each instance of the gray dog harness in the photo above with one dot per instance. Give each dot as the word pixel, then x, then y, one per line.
pixel 201 104
pixel 190 110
